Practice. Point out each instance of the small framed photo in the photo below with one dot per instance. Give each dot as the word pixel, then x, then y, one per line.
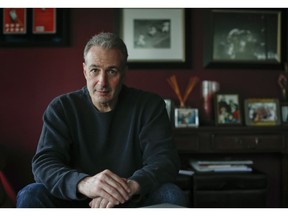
pixel 262 112
pixel 284 113
pixel 44 21
pixel 169 107
pixel 186 117
pixel 227 109
pixel 14 21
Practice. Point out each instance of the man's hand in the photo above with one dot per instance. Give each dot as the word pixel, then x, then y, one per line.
pixel 134 187
pixel 106 187
pixel 100 202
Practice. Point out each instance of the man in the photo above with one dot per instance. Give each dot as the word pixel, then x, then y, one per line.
pixel 105 145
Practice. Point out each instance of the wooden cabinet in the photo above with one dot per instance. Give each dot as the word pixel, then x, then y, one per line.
pixel 267 146
pixel 233 190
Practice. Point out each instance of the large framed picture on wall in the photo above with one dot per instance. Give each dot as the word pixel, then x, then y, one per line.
pixel 27 27
pixel 249 38
pixel 155 37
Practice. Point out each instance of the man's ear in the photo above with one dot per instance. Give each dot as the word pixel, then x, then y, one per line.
pixel 84 69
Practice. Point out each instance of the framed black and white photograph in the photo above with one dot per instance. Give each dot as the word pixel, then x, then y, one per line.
pixel 243 38
pixel 227 109
pixel 154 37
pixel 262 112
pixel 186 117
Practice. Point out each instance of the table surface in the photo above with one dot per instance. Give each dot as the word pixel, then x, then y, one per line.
pixel 164 205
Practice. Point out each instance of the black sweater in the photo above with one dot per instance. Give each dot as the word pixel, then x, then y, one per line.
pixel 134 141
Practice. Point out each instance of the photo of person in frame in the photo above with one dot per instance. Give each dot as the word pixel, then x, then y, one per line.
pixel 228 110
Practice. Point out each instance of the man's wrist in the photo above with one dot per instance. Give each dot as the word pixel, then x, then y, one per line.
pixel 134 187
pixel 81 186
pixel 135 195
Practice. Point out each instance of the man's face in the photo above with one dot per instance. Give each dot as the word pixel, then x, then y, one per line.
pixel 104 73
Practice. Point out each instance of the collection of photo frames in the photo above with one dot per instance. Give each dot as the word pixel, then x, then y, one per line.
pixel 25 27
pixel 230 111
pixel 226 32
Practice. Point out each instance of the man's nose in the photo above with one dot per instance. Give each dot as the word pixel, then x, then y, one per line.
pixel 102 78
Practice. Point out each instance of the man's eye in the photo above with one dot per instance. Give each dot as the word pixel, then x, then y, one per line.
pixel 94 70
pixel 113 72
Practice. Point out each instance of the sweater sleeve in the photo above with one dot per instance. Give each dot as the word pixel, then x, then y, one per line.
pixel 50 165
pixel 160 158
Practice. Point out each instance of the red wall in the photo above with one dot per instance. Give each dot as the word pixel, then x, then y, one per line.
pixel 31 77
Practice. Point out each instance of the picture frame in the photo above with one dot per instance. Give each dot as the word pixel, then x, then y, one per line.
pixel 155 37
pixel 186 117
pixel 244 38
pixel 284 113
pixel 169 107
pixel 227 109
pixel 262 112
pixel 40 29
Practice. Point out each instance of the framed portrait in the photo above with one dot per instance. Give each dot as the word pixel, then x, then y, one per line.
pixel 262 112
pixel 154 37
pixel 246 38
pixel 284 113
pixel 186 117
pixel 227 109
pixel 24 27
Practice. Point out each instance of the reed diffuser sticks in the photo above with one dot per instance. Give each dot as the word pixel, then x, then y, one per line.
pixel 175 87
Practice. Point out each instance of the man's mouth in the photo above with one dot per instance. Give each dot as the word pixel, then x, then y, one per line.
pixel 102 92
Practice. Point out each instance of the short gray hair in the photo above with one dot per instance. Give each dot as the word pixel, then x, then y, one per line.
pixel 107 40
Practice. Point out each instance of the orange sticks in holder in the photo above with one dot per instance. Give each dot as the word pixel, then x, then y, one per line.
pixel 174 85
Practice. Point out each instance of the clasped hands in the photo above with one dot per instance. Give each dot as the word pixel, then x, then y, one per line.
pixel 106 189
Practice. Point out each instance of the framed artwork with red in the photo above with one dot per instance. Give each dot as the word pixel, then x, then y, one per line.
pixel 22 27
pixel 44 21
pixel 14 21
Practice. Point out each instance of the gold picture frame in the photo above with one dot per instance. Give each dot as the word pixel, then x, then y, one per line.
pixel 262 112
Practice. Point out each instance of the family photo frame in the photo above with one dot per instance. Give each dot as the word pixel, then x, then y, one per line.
pixel 243 38
pixel 155 37
pixel 262 112
pixel 227 109
pixel 186 117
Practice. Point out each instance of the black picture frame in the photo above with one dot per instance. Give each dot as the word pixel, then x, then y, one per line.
pixel 244 38
pixel 228 109
pixel 130 22
pixel 30 39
